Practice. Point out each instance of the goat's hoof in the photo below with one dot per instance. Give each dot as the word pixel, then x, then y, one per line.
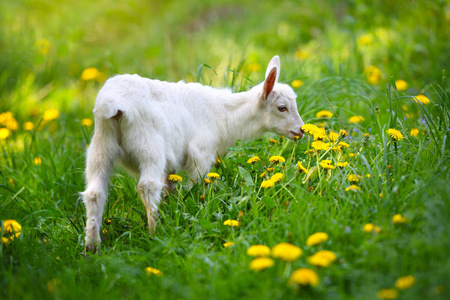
pixel 90 249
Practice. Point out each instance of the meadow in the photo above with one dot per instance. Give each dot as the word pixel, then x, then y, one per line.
pixel 357 209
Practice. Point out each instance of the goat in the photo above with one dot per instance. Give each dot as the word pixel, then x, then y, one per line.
pixel 154 128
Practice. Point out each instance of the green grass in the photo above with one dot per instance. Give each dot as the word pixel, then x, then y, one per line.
pixel 217 43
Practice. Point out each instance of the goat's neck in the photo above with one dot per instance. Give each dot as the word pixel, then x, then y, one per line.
pixel 244 118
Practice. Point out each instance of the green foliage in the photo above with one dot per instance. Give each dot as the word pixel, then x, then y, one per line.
pixel 350 53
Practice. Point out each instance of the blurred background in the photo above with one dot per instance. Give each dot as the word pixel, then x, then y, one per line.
pixel 57 53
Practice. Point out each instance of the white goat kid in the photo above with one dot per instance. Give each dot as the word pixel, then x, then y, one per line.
pixel 155 128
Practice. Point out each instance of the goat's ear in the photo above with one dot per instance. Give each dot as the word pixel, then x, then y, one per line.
pixel 274 63
pixel 269 83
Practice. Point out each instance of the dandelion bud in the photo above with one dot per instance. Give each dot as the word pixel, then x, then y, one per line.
pixel 365 139
pixel 342 133
pixel 377 110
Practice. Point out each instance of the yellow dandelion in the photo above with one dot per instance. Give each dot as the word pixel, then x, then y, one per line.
pixel 228 244
pixel 4 133
pixel 11 227
pixel 297 83
pixel 387 294
pixel 258 250
pixel 351 154
pixel 422 99
pixel 51 114
pixel 353 178
pixel 253 160
pixel 37 161
pixel 277 159
pixel 368 227
pixel 87 122
pixel 322 258
pixel 377 229
pixel 324 114
pixel 263 174
pixel 342 164
pixel 175 178
pixel 301 167
pixel 91 74
pixel 414 132
pixel 343 133
pixel 399 219
pixel 395 134
pixel 207 181
pixel 213 175
pixel 326 164
pixel 270 169
pixel 310 129
pixel 353 188
pixel 405 282
pixel 267 184
pixel 343 145
pixel 356 119
pixel 367 176
pixel 153 271
pixel 364 40
pixel 232 223
pixel 28 126
pixel 261 263
pixel 276 177
pixel 316 239
pixel 304 276
pixel 254 67
pixel 286 252
pixel 401 85
pixel 272 141
pixel 301 54
pixel 373 74
pixel 333 136
pixel 310 151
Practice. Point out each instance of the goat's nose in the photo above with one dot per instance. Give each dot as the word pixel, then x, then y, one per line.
pixel 301 129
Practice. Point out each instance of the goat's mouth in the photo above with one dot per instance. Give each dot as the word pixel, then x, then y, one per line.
pixel 296 136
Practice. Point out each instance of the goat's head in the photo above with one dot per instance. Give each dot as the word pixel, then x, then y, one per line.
pixel 278 102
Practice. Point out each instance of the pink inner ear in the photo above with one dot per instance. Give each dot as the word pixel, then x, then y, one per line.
pixel 269 83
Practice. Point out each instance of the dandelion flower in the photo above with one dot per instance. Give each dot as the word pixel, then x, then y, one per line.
pixel 276 159
pixel 258 250
pixel 228 244
pixel 37 161
pixel 316 239
pixel 301 167
pixel 87 122
pixel 153 271
pixel 414 132
pixel 387 294
pixel 51 114
pixel 422 99
pixel 276 177
pixel 175 178
pixel 373 74
pixel 4 133
pixel 364 40
pixel 353 178
pixel 405 282
pixel 272 141
pixel 322 258
pixel 261 263
pixel 342 164
pixel 353 188
pixel 286 251
pixel 310 129
pixel 324 114
pixel 326 164
pixel 213 175
pixel 343 144
pixel 207 181
pixel 297 83
pixel 356 119
pixel 395 134
pixel 90 74
pixel 11 226
pixel 253 160
pixel 351 154
pixel 398 219
pixel 304 276
pixel 301 54
pixel 267 184
pixel 368 228
pixel 333 136
pixel 28 126
pixel 401 85
pixel 343 133
pixel 263 174
pixel 232 223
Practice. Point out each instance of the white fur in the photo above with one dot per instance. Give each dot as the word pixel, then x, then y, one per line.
pixel 163 127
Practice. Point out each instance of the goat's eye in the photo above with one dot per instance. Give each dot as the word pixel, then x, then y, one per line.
pixel 282 108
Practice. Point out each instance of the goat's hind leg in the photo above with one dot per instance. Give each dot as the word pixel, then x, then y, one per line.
pixel 101 154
